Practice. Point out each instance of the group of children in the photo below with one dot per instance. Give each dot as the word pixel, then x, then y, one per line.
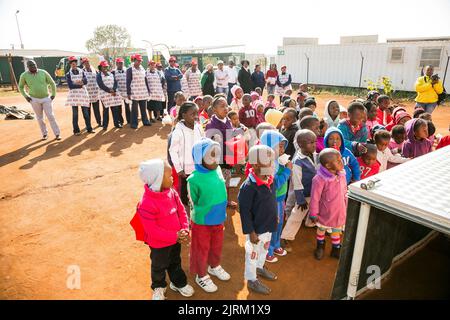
pixel 296 169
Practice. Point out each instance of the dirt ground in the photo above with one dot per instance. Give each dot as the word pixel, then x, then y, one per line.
pixel 69 202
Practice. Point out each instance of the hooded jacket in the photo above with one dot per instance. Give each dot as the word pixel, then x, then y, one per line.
pixel 272 139
pixel 326 115
pixel 351 165
pixel 160 214
pixel 398 116
pixel 206 188
pixel 236 104
pixel 329 198
pixel 181 141
pixel 413 148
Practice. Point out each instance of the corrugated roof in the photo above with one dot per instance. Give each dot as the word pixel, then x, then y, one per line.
pixel 445 38
pixel 40 53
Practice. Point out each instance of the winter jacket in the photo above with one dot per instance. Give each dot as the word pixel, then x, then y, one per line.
pixel 413 148
pixel 426 92
pixel 351 165
pixel 329 198
pixel 161 215
pixel 180 149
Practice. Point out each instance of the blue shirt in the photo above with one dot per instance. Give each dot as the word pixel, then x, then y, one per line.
pixel 173 85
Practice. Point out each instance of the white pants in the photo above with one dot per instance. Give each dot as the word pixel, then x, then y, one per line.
pixel 255 255
pixel 290 201
pixel 294 222
pixel 45 105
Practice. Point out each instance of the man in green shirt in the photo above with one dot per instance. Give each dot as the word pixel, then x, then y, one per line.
pixel 37 82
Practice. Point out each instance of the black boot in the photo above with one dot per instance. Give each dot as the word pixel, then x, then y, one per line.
pixel 335 252
pixel 318 253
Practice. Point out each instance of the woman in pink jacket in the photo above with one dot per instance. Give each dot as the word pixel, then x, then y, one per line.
pixel 328 206
pixel 163 225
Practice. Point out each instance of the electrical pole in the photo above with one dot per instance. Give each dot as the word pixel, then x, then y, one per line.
pixel 18 28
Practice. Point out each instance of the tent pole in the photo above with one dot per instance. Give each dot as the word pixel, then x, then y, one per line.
pixel 12 74
pixel 358 250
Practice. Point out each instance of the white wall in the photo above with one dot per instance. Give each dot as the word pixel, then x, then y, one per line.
pixel 339 65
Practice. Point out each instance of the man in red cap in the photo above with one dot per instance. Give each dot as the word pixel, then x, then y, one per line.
pixel 78 96
pixel 173 77
pixel 155 83
pixel 108 95
pixel 121 78
pixel 137 91
pixel 92 88
pixel 193 76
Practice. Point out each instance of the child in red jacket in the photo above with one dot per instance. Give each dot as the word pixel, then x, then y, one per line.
pixel 247 114
pixel 368 162
pixel 161 222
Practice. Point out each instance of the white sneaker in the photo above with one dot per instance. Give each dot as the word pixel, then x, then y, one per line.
pixel 219 272
pixel 206 283
pixel 159 294
pixel 186 291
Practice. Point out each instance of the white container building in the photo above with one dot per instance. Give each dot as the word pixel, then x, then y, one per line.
pixel 359 58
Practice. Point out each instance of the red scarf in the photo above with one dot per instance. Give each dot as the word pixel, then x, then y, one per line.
pixel 354 129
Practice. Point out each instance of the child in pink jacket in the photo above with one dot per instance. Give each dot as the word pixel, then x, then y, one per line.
pixel 328 206
pixel 165 225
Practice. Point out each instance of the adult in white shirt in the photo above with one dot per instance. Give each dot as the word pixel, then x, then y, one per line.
pixel 221 78
pixel 232 79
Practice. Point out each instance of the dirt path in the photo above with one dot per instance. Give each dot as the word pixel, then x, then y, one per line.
pixel 69 202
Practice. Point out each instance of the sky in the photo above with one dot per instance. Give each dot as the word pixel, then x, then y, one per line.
pixel 260 25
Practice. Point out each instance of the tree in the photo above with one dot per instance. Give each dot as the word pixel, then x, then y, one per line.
pixel 109 41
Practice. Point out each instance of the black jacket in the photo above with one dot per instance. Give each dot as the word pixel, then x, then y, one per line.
pixel 289 134
pixel 245 80
pixel 258 207
pixel 208 87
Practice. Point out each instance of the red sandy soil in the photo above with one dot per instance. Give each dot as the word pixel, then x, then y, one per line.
pixel 69 202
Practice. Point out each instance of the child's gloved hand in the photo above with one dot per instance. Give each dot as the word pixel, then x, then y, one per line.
pixel 303 206
pixel 313 218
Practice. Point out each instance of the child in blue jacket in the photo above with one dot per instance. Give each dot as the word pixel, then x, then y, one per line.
pixel 335 139
pixel 354 129
pixel 278 143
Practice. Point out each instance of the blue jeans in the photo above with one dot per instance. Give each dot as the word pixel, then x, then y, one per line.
pixel 116 116
pixel 86 115
pixel 170 100
pixel 96 108
pixel 230 96
pixel 135 112
pixel 270 89
pixel 275 241
pixel 222 90
pixel 428 107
